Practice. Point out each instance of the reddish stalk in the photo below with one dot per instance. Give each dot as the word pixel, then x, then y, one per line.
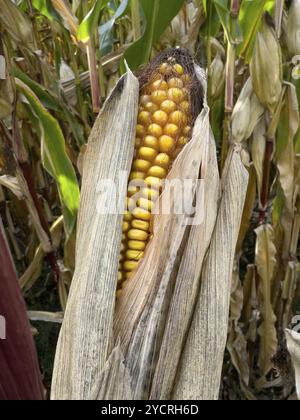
pixel 20 377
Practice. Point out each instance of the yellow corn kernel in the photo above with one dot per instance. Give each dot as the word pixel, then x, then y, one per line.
pixel 153 182
pixel 182 141
pixel 168 106
pixel 136 245
pixel 124 237
pixel 175 82
pixel 125 227
pixel 151 141
pixel 159 85
pixel 185 106
pixel 119 293
pixel 166 144
pixel 138 142
pixel 151 194
pixel 142 214
pixel 141 165
pixel 130 265
pixel 129 203
pixel 159 96
pixel 187 131
pixel 123 248
pixel 144 99
pixel 155 130
pixel 145 204
pixel 179 69
pixel 151 107
pixel 176 95
pixel 127 216
pixel 136 175
pixel 157 172
pixel 160 117
pixel 134 255
pixel 186 78
pixel 165 69
pixel 178 118
pixel 137 235
pixel 141 225
pixel 171 130
pixel 144 118
pixel 147 153
pixel 120 275
pixel 140 131
pixel 163 160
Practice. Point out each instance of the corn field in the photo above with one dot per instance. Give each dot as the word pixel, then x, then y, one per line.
pixel 102 303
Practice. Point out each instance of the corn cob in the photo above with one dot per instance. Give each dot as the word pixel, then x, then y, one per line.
pixel 163 129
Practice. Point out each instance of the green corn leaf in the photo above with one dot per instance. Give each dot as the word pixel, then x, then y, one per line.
pixel 105 30
pixel 45 8
pixel 158 14
pixel 51 102
pixel 90 22
pixel 47 100
pixel 250 19
pixel 55 159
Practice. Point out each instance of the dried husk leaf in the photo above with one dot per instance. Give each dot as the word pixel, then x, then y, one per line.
pixel 246 114
pixel 248 209
pixel 293 28
pixel 114 380
pixel 202 358
pixel 188 279
pixel 293 343
pixel 266 67
pixel 86 334
pixel 56 318
pixel 289 288
pixel 11 183
pixel 258 149
pixel 286 164
pixel 237 344
pixel 217 72
pixel 265 264
pixel 34 270
pixel 142 310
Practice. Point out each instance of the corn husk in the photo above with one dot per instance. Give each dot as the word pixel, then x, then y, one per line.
pixel 86 333
pixel 266 68
pixel 293 28
pixel 152 318
pixel 246 114
pixel 217 72
pixel 202 359
pixel 293 343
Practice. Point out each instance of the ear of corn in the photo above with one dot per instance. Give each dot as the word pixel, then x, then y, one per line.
pixel 163 129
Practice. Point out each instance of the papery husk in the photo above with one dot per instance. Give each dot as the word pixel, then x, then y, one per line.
pixel 266 67
pixel 86 334
pixel 142 311
pixel 200 369
pixel 293 344
pixel 293 28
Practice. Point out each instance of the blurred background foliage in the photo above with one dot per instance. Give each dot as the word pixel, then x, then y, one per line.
pixel 60 59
